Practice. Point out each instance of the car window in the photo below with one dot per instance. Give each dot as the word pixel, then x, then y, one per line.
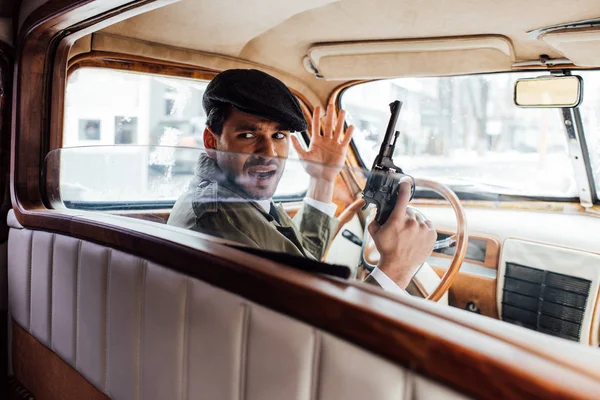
pixel 161 115
pixel 590 116
pixel 465 131
pixel 137 176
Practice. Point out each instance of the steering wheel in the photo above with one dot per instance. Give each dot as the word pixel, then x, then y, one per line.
pixel 460 238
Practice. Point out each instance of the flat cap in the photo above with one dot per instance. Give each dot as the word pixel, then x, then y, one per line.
pixel 255 92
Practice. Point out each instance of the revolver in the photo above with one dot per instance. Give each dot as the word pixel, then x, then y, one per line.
pixel 384 179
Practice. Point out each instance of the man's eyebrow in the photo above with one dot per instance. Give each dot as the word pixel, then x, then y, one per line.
pixel 245 128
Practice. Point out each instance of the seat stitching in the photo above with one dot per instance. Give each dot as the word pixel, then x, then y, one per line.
pixel 142 297
pixel 76 302
pixel 51 287
pixel 106 318
pixel 316 365
pixel 30 279
pixel 246 310
pixel 184 358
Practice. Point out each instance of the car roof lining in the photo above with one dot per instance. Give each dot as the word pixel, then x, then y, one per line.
pixel 276 36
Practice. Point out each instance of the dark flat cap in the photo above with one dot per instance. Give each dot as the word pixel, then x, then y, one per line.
pixel 254 92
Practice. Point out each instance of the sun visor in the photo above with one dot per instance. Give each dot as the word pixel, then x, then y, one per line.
pixel 396 58
pixel 582 47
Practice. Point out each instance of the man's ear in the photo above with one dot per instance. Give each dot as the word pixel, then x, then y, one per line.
pixel 210 139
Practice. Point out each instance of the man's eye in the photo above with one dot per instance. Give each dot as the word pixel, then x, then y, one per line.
pixel 246 135
pixel 279 135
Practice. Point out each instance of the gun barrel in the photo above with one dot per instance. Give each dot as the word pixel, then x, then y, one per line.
pixel 388 143
pixel 395 108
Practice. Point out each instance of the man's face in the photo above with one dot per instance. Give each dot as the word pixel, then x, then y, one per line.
pixel 253 153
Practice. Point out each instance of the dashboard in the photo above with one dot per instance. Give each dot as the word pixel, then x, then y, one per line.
pixel 539 270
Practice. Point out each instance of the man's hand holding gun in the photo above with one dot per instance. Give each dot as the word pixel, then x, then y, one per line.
pixel 403 237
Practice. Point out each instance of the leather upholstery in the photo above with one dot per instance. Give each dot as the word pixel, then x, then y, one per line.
pixel 136 330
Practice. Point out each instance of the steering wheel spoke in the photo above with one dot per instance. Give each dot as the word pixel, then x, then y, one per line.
pixel 444 243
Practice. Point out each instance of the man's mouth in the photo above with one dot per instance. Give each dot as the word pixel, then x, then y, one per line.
pixel 262 173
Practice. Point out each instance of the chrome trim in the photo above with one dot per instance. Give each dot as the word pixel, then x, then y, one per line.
pixel 465 267
pixel 586 23
pixel 580 157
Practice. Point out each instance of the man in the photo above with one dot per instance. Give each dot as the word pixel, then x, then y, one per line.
pixel 250 120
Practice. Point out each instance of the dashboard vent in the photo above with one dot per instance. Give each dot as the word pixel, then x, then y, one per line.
pixel 544 301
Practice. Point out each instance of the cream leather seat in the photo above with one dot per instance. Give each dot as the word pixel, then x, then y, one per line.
pixel 135 329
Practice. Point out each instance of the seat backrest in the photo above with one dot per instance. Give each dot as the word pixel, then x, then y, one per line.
pixel 110 324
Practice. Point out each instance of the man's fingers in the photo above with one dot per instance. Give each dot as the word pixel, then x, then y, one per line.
pixel 299 149
pixel 420 218
pixel 399 210
pixel 339 126
pixel 329 121
pixel 316 123
pixel 347 136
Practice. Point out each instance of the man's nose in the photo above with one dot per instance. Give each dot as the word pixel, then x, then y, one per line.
pixel 267 148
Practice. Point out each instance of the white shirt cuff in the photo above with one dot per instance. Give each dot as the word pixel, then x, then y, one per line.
pixel 386 282
pixel 325 208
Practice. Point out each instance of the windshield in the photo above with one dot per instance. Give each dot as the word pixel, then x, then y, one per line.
pixel 465 131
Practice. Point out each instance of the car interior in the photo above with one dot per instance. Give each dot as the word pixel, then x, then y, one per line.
pixel 101 129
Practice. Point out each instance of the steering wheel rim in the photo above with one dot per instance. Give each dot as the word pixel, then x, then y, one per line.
pixel 461 236
pixel 461 233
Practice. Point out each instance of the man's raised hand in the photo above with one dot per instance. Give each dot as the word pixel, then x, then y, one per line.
pixel 328 148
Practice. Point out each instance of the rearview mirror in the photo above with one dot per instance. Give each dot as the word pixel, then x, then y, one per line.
pixel 549 91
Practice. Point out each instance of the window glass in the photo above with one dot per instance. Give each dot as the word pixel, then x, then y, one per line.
pixel 590 115
pixel 164 115
pixel 106 106
pixel 465 131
